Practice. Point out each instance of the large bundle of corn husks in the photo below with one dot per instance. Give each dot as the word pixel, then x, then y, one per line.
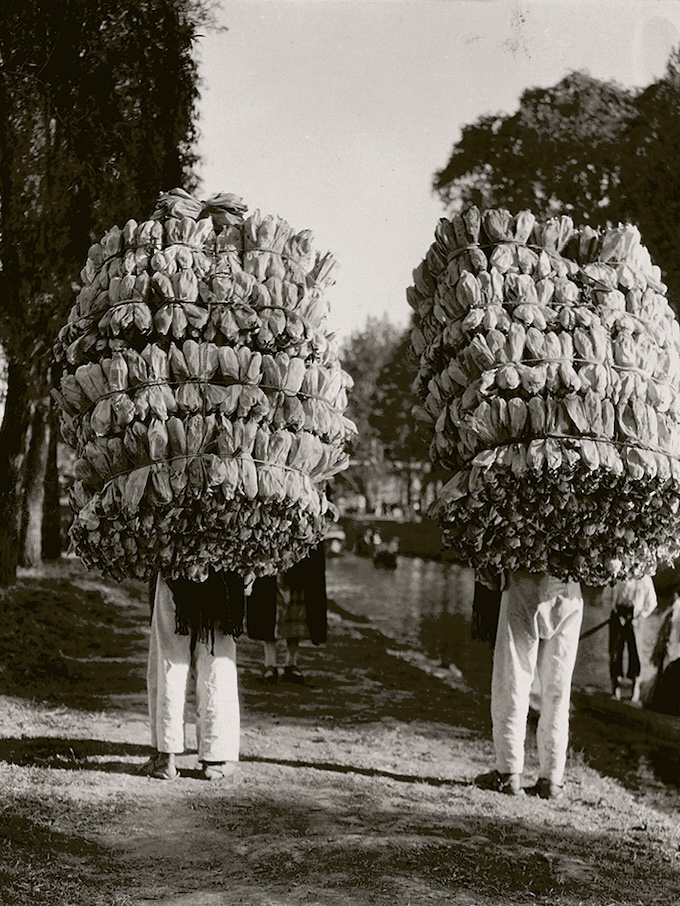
pixel 549 370
pixel 202 393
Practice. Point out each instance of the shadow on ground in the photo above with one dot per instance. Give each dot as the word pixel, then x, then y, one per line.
pixel 72 754
pixel 72 640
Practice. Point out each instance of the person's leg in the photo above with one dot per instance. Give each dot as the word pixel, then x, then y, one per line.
pixel 634 666
pixel 291 672
pixel 217 704
pixel 615 654
pixel 292 649
pixel 514 664
pixel 167 674
pixel 271 671
pixel 556 662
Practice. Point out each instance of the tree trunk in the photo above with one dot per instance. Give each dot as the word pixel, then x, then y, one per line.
pixel 12 436
pixel 52 542
pixel 33 490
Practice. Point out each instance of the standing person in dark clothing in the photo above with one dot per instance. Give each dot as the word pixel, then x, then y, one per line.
pixel 629 601
pixel 193 630
pixel 289 607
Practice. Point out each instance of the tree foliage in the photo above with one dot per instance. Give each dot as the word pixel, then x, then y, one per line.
pixel 363 355
pixel 559 152
pixel 391 403
pixel 651 173
pixel 98 101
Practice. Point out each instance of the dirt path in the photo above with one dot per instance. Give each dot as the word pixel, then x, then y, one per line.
pixel 354 790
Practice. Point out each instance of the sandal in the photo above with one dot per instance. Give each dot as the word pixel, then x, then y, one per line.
pixel 293 675
pixel 509 784
pixel 161 766
pixel 546 789
pixel 216 770
pixel 270 676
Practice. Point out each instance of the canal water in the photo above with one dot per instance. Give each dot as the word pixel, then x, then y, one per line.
pixel 426 606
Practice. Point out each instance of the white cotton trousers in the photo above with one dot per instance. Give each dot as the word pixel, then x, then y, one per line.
pixel 538 633
pixel 170 666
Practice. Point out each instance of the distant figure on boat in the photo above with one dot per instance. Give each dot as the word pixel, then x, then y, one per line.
pixel 385 556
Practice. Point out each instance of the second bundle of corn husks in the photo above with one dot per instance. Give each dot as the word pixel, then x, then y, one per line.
pixel 549 371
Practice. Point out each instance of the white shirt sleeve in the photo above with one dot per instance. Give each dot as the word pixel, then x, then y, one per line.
pixel 645 600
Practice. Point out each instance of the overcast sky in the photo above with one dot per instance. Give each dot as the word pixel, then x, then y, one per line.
pixel 335 114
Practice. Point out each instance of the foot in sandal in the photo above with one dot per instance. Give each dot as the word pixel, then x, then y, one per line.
pixel 216 770
pixel 161 766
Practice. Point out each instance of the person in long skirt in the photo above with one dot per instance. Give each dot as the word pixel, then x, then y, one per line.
pixel 289 607
pixel 664 694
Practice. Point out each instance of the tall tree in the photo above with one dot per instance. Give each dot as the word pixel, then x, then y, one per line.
pixel 98 105
pixel 391 417
pixel 392 400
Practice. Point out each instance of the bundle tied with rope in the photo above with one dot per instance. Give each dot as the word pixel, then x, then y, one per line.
pixel 202 393
pixel 549 375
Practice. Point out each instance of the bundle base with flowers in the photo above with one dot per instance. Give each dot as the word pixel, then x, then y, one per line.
pixel 549 370
pixel 202 393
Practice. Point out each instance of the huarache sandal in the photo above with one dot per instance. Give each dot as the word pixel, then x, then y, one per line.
pixel 546 789
pixel 293 675
pixel 216 770
pixel 270 676
pixel 509 784
pixel 161 766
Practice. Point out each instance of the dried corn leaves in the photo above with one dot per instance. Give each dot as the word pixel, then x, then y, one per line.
pixel 549 370
pixel 202 393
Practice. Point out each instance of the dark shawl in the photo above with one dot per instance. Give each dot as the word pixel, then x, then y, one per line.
pixel 486 607
pixel 203 608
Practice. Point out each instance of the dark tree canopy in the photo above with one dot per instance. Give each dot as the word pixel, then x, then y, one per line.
pixel 363 356
pixel 651 173
pixel 559 152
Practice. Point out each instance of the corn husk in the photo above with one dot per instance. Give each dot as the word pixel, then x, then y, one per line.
pixel 202 393
pixel 549 377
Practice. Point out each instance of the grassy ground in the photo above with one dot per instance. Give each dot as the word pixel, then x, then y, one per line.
pixel 353 790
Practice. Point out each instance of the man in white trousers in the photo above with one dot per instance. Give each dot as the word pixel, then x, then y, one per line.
pixel 192 633
pixel 538 633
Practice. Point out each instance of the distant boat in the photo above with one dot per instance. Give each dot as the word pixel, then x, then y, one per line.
pixel 385 559
pixel 385 556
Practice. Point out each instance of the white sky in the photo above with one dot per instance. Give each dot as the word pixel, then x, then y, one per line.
pixel 335 114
